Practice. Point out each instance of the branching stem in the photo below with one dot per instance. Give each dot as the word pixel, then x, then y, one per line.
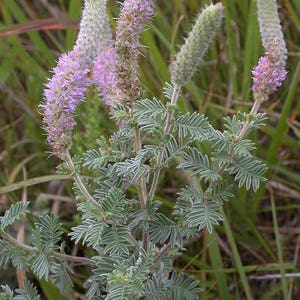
pixel 254 109
pixel 246 125
pixel 82 260
pixel 163 251
pixel 141 185
pixel 167 130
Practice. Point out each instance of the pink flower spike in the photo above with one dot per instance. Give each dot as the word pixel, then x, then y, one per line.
pixel 63 92
pixel 267 77
pixel 104 75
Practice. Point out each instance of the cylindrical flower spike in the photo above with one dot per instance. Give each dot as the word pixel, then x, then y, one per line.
pixel 104 75
pixel 133 15
pixel 67 88
pixel 64 91
pixel 271 31
pixel 95 32
pixel 191 53
pixel 270 72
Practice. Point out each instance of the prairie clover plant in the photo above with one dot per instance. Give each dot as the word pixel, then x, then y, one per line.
pixel 132 241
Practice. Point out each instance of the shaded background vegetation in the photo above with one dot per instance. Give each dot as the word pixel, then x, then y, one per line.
pixel 257 247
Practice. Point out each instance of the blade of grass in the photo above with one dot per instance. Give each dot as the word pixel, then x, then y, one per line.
pixel 231 48
pixel 34 36
pixel 277 137
pixel 248 269
pixel 51 291
pixel 282 124
pixel 217 263
pixel 32 181
pixel 251 50
pixel 237 259
pixel 12 176
pixel 293 13
pixel 284 283
pixel 158 61
pixel 260 237
pixel 74 14
pixel 286 140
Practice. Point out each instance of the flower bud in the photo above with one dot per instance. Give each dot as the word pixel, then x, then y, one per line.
pixel 95 32
pixel 191 53
pixel 270 72
pixel 133 16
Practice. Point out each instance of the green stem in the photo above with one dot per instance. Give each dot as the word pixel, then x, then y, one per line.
pixel 246 125
pixel 243 132
pixel 167 130
pixel 76 177
pixel 163 251
pixel 141 185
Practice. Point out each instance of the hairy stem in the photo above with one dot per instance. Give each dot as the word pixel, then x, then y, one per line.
pixel 76 177
pixel 246 125
pixel 82 260
pixel 141 185
pixel 167 130
pixel 163 251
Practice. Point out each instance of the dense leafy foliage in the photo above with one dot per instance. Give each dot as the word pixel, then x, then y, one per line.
pixel 115 227
pixel 131 242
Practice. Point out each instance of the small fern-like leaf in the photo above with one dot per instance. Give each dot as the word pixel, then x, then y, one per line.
pixel 28 292
pixel 194 125
pixel 181 287
pixel 117 240
pixel 248 171
pixel 205 214
pixel 49 228
pixel 13 214
pixel 7 293
pixel 40 265
pixel 199 163
pixel 243 148
pixel 162 228
pixel 90 232
pixel 221 192
pixel 168 90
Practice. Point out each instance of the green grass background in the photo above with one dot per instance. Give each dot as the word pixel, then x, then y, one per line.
pixel 252 254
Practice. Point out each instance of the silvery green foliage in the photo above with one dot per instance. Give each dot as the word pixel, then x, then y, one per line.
pixel 130 242
pixel 13 214
pixel 28 292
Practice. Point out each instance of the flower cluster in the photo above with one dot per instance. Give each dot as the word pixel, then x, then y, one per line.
pixel 131 22
pixel 104 74
pixel 270 72
pixel 64 91
pixel 133 16
pixel 267 76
